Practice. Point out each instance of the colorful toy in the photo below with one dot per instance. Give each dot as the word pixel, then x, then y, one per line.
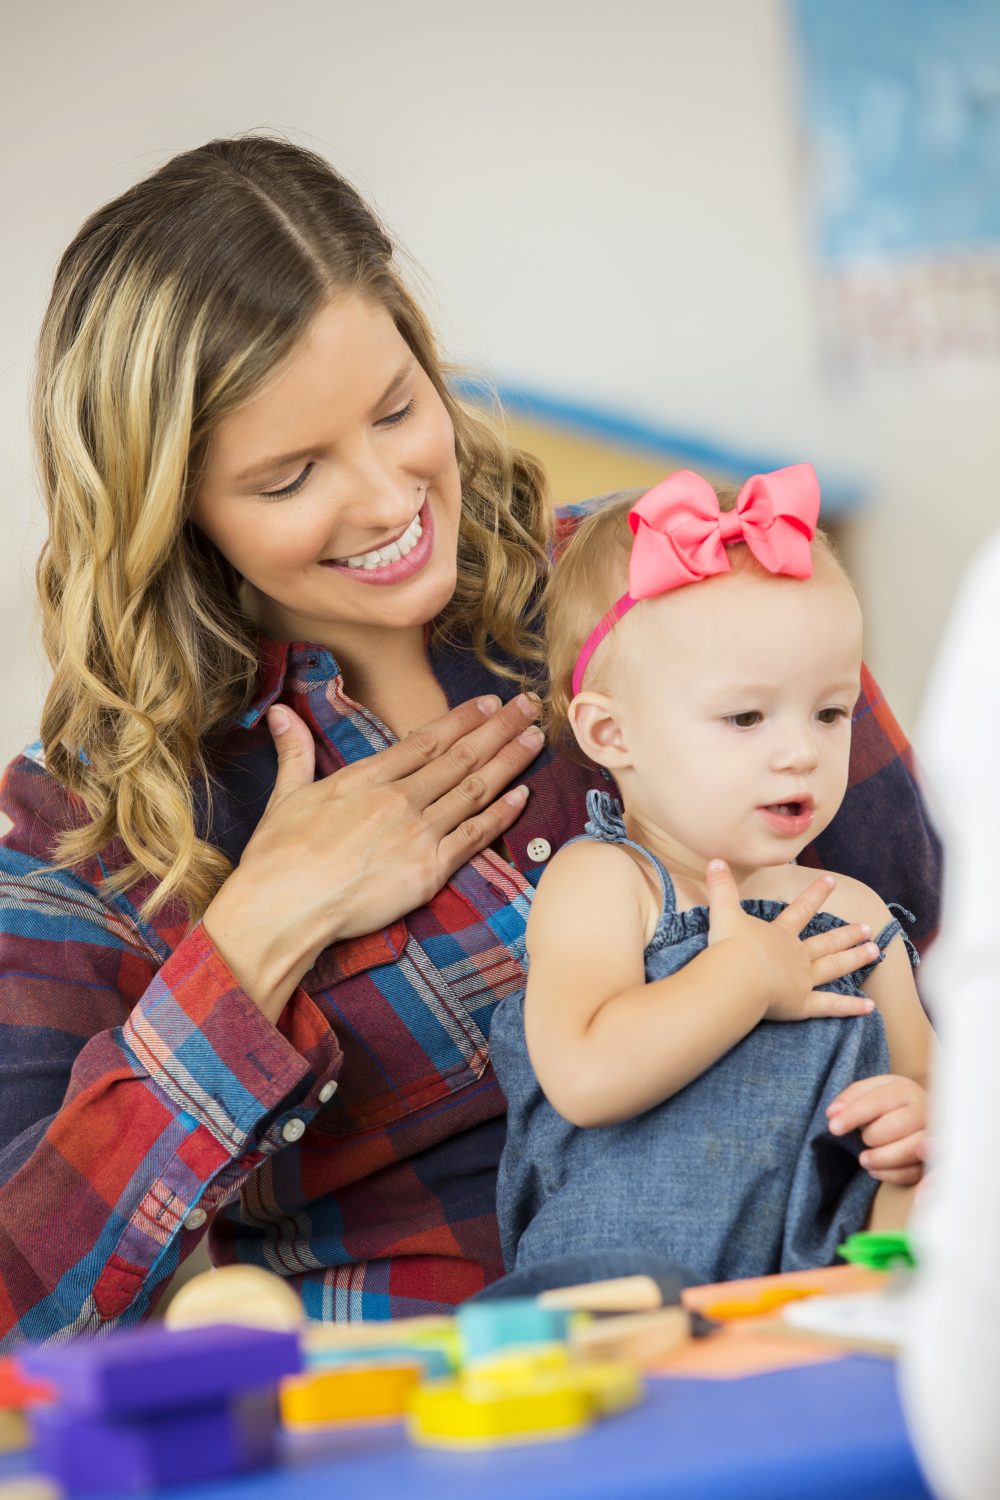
pixel 879 1251
pixel 642 1338
pixel 484 1327
pixel 521 1399
pixel 17 1393
pixel 763 1302
pixel 359 1391
pixel 149 1407
pixel 244 1295
pixel 622 1294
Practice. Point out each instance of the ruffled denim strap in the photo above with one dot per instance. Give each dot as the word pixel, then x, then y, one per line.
pixel 606 825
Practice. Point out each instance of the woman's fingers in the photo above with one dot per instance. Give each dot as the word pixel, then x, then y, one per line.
pixel 479 788
pixel 475 834
pixel 438 756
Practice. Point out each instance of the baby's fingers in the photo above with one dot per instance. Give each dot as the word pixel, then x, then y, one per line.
pixel 833 966
pixel 895 1156
pixel 829 1003
pixel 868 1100
pixel 900 1176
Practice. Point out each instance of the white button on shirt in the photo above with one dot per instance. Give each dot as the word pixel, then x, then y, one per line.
pixel 195 1219
pixel 293 1130
pixel 327 1091
pixel 539 849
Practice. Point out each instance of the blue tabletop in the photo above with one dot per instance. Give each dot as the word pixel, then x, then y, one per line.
pixel 825 1432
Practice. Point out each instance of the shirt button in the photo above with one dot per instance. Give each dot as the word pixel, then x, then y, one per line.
pixel 327 1091
pixel 539 849
pixel 293 1130
pixel 195 1219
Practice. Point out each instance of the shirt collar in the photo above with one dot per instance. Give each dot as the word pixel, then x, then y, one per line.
pixel 273 659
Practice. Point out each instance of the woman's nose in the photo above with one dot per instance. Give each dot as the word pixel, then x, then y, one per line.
pixel 380 498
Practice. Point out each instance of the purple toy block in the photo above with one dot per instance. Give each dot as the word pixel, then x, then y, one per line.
pixel 152 1370
pixel 86 1454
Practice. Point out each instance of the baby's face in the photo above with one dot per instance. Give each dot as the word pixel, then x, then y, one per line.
pixel 736 706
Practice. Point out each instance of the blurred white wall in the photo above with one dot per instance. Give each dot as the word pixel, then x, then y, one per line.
pixel 605 200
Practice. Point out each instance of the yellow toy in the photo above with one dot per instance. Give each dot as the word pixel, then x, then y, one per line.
pixel 372 1391
pixel 521 1395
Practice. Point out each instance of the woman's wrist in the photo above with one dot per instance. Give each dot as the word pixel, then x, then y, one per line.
pixel 266 962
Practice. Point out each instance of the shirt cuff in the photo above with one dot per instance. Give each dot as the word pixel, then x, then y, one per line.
pixel 205 1044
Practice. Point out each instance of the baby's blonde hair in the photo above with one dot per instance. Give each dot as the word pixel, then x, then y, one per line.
pixel 592 573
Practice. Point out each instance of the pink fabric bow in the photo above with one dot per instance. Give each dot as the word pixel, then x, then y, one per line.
pixel 681 536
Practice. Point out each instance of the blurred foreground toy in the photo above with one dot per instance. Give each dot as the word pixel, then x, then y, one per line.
pixel 245 1295
pixel 523 1395
pixel 878 1251
pixel 17 1394
pixel 150 1407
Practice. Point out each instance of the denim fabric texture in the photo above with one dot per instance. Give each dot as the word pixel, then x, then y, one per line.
pixel 736 1174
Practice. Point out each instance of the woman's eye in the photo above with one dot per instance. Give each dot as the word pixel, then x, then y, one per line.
pixel 395 417
pixel 289 489
pixel 745 720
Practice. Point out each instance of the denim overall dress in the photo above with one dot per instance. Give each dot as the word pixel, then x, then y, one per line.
pixel 734 1175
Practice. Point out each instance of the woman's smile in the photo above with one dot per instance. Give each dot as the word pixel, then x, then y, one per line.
pixel 396 560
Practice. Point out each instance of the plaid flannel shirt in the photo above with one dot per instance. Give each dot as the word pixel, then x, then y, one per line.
pixel 353 1147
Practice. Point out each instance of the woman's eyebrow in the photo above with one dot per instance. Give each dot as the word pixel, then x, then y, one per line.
pixel 279 461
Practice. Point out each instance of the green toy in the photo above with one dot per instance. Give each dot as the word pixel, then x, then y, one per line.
pixel 878 1251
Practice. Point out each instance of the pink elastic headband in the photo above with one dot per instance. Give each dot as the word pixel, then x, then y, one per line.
pixel 681 536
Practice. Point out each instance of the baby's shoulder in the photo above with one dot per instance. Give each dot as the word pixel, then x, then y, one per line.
pixel 602 878
pixel 850 900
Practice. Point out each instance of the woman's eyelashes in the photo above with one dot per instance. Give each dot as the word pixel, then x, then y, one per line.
pixel 395 417
pixel 289 489
pixel 392 419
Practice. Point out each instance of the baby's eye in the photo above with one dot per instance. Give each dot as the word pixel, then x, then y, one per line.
pixel 745 720
pixel 831 715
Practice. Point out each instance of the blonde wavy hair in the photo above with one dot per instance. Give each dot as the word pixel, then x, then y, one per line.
pixel 170 307
pixel 592 573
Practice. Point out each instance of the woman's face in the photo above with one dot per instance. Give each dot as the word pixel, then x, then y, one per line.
pixel 335 490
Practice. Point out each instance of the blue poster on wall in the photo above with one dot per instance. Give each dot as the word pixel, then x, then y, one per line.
pixel 901 106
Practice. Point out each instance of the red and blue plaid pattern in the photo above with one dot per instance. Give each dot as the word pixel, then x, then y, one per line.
pixel 141 1092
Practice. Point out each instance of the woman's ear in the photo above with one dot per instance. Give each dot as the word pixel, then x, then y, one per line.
pixel 594 720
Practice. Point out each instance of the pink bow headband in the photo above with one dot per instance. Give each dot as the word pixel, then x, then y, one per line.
pixel 681 535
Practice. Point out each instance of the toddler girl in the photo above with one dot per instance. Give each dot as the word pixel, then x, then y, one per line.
pixel 707 1027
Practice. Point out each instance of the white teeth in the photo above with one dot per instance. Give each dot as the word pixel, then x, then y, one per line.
pixel 382 556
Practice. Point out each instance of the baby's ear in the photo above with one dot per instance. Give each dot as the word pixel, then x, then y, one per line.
pixel 595 721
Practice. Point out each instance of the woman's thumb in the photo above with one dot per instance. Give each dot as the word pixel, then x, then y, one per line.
pixel 296 751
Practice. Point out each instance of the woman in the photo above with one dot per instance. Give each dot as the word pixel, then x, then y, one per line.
pixel 280 549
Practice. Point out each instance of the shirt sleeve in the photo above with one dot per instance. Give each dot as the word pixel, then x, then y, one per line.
pixel 136 1095
pixel 950 1371
pixel 883 833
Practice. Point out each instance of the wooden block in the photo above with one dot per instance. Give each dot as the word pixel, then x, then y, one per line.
pixel 245 1295
pixel 13 1432
pixel 644 1338
pixel 350 1393
pixel 623 1294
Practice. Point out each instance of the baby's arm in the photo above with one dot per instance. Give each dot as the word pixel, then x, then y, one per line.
pixel 606 1045
pixel 890 1110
